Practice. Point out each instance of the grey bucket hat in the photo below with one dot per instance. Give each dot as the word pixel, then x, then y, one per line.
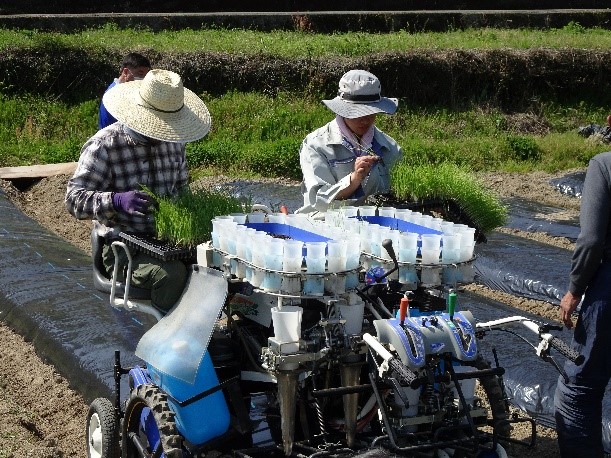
pixel 360 94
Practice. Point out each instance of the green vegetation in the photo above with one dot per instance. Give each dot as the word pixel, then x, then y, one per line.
pixel 255 134
pixel 449 182
pixel 286 43
pixel 187 220
pixel 258 133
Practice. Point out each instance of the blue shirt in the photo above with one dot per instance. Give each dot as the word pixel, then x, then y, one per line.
pixel 105 118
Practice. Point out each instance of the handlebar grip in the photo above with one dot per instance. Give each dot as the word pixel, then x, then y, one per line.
pixel 403 372
pixel 566 351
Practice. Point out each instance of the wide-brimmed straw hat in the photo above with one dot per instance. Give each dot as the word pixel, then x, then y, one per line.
pixel 159 107
pixel 360 94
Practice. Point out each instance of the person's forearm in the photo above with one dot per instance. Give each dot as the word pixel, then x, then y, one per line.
pixel 347 192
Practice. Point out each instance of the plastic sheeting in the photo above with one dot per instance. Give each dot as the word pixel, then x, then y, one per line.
pixel 176 345
pixel 570 184
pixel 47 295
pixel 523 267
pixel 531 216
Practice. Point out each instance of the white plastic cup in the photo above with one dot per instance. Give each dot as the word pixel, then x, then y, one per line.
pixel 348 211
pixel 277 218
pixel 274 255
pixel 292 255
pixel 256 217
pixel 408 247
pixel 430 276
pixel 431 241
pixel 447 227
pixel 250 233
pixel 336 255
pixel 416 218
pixel 466 251
pixel 403 214
pixel 239 218
pixel 315 265
pixel 333 217
pixel 287 327
pixel 451 248
pixel 353 251
pixel 315 249
pixel 387 211
pixel 467 235
pixel 335 284
pixel 430 256
pixel 367 210
pixel 436 224
pixel 408 240
pixel 301 221
pixel 426 221
pixel 365 242
pixel 430 250
pixel 260 246
pixel 353 314
pixel 314 285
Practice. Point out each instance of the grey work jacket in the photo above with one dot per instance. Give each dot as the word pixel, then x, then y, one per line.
pixel 326 165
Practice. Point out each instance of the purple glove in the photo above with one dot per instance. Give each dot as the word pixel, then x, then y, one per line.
pixel 132 202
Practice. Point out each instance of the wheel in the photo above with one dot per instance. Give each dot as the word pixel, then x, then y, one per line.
pixel 102 432
pixel 496 399
pixel 498 410
pixel 149 424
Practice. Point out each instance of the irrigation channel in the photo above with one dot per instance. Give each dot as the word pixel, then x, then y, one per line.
pixel 47 295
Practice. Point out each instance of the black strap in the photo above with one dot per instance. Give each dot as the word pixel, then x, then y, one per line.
pixel 360 98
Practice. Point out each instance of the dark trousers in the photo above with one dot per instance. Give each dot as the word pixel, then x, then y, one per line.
pixel 579 403
pixel 165 279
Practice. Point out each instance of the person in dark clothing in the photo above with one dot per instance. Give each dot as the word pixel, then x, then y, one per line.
pixel 578 403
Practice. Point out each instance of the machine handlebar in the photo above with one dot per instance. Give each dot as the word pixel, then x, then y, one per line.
pixel 547 340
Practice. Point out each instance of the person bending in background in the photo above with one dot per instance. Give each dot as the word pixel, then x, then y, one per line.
pixel 145 148
pixel 578 403
pixel 349 158
pixel 134 67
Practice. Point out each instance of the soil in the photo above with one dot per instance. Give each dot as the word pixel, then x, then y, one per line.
pixel 32 425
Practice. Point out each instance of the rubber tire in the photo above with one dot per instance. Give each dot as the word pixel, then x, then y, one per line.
pixel 151 397
pixel 496 399
pixel 102 430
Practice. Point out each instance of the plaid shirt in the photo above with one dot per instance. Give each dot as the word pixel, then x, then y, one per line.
pixel 113 161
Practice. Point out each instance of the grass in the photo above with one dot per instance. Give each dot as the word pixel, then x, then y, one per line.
pixel 254 134
pixel 294 43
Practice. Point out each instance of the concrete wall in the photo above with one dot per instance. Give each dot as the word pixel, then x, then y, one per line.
pixel 139 6
pixel 321 22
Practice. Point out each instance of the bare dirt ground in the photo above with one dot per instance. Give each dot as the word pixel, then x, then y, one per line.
pixel 41 416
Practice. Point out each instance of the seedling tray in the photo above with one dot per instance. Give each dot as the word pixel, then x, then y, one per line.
pixel 157 248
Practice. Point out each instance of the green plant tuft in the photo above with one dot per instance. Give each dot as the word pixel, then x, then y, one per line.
pixel 524 148
pixel 448 181
pixel 187 219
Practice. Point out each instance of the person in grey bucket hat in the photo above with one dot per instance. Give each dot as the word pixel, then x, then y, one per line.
pixel 349 158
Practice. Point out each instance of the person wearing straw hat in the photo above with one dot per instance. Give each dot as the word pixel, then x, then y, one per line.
pixel 144 149
pixel 349 158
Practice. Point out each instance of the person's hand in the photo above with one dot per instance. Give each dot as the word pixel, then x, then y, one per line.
pixel 362 166
pixel 133 202
pixel 568 304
